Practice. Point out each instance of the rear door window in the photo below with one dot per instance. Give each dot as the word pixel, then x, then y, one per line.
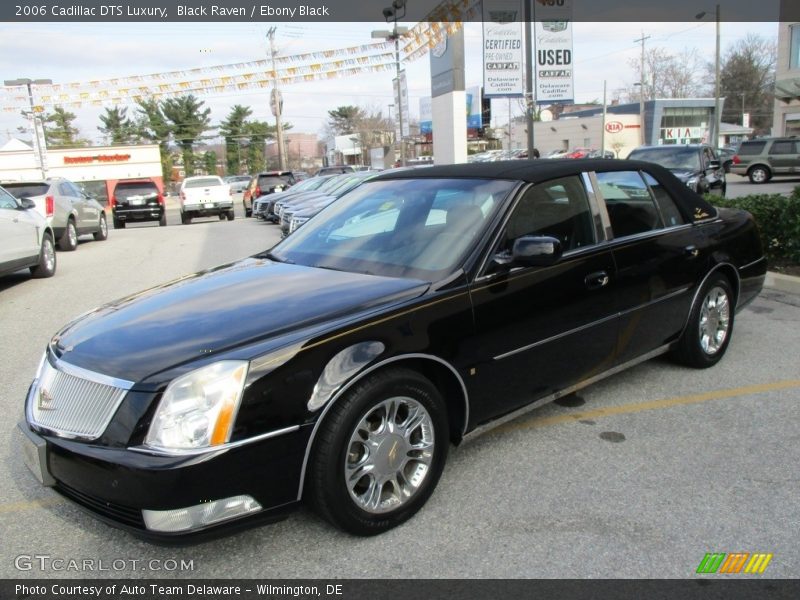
pixel 669 210
pixel 124 191
pixel 783 147
pixel 630 206
pixel 751 148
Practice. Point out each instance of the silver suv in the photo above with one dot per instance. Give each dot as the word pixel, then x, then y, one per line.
pixel 27 239
pixel 69 212
pixel 762 158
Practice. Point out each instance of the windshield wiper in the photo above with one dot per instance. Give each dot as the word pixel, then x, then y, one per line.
pixel 275 258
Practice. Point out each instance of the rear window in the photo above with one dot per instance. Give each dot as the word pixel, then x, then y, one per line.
pixel 26 190
pixel 202 182
pixel 672 157
pixel 141 188
pixel 271 180
pixel 750 148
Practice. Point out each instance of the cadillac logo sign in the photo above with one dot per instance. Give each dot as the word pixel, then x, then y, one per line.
pixel 44 400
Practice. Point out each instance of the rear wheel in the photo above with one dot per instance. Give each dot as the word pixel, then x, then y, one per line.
pixel 69 241
pixel 221 216
pixel 230 215
pixel 162 222
pixel 247 211
pixel 380 452
pixel 759 174
pixel 102 230
pixel 710 326
pixel 118 224
pixel 185 219
pixel 46 267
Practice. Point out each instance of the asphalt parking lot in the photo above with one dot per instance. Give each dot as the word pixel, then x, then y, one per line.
pixel 741 186
pixel 637 476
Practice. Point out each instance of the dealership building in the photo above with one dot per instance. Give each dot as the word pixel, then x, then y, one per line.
pixel 96 168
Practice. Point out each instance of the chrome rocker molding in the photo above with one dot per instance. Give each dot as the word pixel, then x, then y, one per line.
pixel 358 377
pixel 481 429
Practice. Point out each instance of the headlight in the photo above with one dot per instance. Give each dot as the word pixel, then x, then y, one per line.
pixel 198 409
pixel 297 222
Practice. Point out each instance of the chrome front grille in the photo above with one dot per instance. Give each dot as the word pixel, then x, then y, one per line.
pixel 72 402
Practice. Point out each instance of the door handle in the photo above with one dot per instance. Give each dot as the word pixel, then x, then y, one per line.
pixel 595 281
pixel 691 252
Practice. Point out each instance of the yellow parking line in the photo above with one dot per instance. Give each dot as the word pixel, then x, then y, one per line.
pixel 625 409
pixel 29 504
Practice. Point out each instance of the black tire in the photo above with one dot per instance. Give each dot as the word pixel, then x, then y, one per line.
pixel 221 216
pixel 185 219
pixel 162 222
pixel 69 240
pixel 334 447
pixel 46 267
pixel 118 224
pixel 759 174
pixel 102 230
pixel 230 215
pixel 696 348
pixel 248 212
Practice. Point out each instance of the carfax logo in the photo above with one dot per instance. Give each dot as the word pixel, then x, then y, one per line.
pixel 721 562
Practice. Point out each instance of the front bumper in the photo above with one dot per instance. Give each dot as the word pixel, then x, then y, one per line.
pixel 116 484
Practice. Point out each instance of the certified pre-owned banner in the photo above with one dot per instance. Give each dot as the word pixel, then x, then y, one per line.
pixel 502 48
pixel 553 45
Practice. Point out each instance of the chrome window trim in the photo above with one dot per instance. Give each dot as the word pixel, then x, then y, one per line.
pixel 481 429
pixel 143 449
pixel 93 376
pixel 602 228
pixel 358 377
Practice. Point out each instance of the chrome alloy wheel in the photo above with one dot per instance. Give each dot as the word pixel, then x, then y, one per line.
pixel 715 319
pixel 49 254
pixel 389 454
pixel 73 234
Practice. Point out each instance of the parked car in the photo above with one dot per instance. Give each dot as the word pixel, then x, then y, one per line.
pixel 761 159
pixel 696 165
pixel 335 170
pixel 205 196
pixel 725 155
pixel 237 183
pixel 268 182
pixel 262 207
pixel 300 175
pixel 28 241
pixel 137 200
pixel 69 212
pixel 422 309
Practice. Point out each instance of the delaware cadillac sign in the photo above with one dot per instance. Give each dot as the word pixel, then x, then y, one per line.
pixel 554 60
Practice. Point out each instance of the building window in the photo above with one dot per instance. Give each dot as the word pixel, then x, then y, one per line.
pixel 794 48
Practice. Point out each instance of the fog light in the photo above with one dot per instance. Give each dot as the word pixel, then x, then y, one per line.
pixel 200 515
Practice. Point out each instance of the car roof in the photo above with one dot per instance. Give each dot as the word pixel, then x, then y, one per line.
pixel 691 205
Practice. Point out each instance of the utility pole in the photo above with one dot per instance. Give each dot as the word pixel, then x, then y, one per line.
pixel 276 102
pixel 641 92
pixel 603 130
pixel 39 140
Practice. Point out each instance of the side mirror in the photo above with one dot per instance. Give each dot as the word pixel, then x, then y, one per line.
pixel 713 164
pixel 27 203
pixel 536 250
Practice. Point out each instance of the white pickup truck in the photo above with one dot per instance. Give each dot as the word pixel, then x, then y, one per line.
pixel 205 196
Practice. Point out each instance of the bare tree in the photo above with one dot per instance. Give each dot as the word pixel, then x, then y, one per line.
pixel 666 75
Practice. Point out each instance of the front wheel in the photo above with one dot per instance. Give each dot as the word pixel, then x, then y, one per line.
pixel 710 326
pixel 185 219
pixel 102 230
pixel 46 267
pixel 379 453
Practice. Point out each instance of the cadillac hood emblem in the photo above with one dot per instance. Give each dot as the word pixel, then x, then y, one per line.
pixel 44 400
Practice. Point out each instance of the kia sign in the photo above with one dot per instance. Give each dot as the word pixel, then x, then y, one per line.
pixel 614 127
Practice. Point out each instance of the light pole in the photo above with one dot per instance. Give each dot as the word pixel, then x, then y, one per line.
pixel 38 141
pixel 276 102
pixel 642 134
pixel 717 116
pixel 390 13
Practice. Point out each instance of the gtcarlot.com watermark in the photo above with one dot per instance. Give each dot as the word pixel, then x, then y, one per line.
pixel 46 562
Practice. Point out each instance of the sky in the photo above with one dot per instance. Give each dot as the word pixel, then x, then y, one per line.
pixel 67 52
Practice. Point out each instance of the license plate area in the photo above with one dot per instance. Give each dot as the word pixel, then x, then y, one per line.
pixel 209 205
pixel 34 455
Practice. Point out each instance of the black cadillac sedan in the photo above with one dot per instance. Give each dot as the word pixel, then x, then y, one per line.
pixel 421 309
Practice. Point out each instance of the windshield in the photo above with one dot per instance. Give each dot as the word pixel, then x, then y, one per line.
pixel 415 228
pixel 670 158
pixel 202 182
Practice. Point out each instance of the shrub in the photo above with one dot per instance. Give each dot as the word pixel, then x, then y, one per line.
pixel 778 219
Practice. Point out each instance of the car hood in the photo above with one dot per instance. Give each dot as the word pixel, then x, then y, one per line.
pixel 219 310
pixel 684 174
